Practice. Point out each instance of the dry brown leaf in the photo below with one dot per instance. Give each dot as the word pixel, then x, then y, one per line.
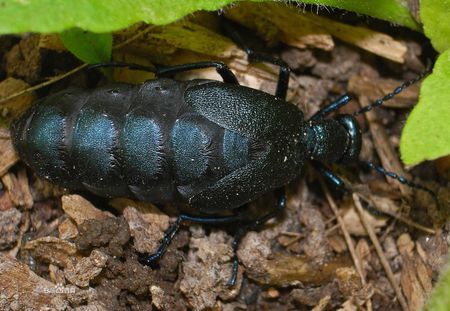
pixel 165 45
pixel 354 226
pixel 196 38
pixel 337 243
pixel 276 22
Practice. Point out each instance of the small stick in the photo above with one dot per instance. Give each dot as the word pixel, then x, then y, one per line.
pixel 348 239
pixel 399 217
pixel 379 250
pixel 70 72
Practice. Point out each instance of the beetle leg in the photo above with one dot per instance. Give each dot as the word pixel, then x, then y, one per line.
pixel 283 76
pixel 222 69
pixel 281 204
pixel 333 106
pixel 340 184
pixel 332 178
pixel 147 259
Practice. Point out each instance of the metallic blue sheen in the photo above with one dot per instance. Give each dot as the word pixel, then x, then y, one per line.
pixel 235 150
pixel 45 137
pixel 93 141
pixel 190 148
pixel 142 141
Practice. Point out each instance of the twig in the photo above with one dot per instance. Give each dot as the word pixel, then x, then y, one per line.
pixel 329 231
pixel 379 250
pixel 43 84
pixel 348 240
pixel 399 217
pixel 71 72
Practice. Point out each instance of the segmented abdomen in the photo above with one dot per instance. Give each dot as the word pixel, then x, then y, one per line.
pixel 128 140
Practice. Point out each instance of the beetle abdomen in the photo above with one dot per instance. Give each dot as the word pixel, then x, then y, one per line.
pixel 126 140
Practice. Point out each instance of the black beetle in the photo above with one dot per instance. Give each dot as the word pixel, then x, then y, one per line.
pixel 206 145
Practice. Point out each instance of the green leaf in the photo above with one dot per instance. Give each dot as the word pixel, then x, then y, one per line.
pixel 90 47
pixel 394 11
pixel 440 299
pixel 426 135
pixel 100 16
pixel 434 15
pixel 18 16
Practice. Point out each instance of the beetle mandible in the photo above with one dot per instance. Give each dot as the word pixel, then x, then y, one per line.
pixel 206 145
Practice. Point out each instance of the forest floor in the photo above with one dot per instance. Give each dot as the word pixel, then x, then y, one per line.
pixel 68 250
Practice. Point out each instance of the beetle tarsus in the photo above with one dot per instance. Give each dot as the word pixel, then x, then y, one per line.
pixel 170 233
pixel 283 76
pixel 280 206
pixel 234 271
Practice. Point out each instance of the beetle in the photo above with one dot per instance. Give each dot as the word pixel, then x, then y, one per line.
pixel 206 145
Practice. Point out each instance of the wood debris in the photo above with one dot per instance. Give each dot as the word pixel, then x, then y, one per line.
pixel 315 31
pixel 276 22
pixel 9 227
pixel 85 269
pixel 80 209
pixel 13 108
pixel 67 229
pixel 21 288
pixel 53 250
pixel 374 88
pixel 18 188
pixel 343 259
pixel 8 156
pixel 207 270
pixel 415 274
pixel 146 229
pixel 284 270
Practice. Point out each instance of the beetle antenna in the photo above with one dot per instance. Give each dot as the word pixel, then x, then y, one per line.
pixel 395 92
pixel 399 178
